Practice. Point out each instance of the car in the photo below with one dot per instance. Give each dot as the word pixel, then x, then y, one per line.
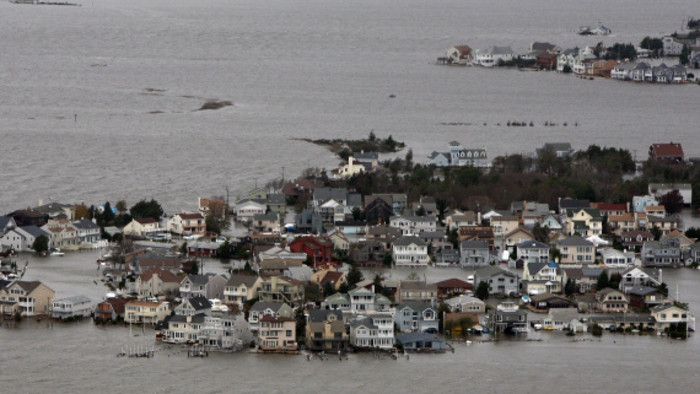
pixel 192 237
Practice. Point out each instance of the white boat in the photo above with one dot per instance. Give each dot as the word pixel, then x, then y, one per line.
pixel 57 252
pixel 218 306
pixel 537 326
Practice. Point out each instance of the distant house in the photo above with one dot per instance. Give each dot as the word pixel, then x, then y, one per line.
pixel 318 249
pixel 636 277
pixel 584 222
pixel 378 211
pixel 351 168
pixel 459 54
pixel 21 239
pixel 266 222
pixel 240 288
pixel 611 301
pixel 459 156
pixel 508 318
pixel 110 309
pixel 260 309
pixel 453 286
pixel 416 316
pixel 659 189
pixel 645 297
pixel 493 56
pixel 145 312
pixel 549 301
pixel 500 281
pixel 325 331
pixel 246 209
pixel 663 253
pixel 672 46
pixel 576 250
pixel 209 286
pixel 635 238
pixel 28 217
pixel 539 278
pixel 670 316
pixel 142 227
pixel 413 225
pixel 421 341
pixel 335 278
pixel 671 153
pixel 277 334
pixel 186 223
pixel 417 291
pixel 156 282
pixel 375 331
pixel 183 328
pixel 87 231
pixel 465 303
pixel 474 253
pixel 26 298
pixel 533 251
pixel 6 224
pixel 368 159
pixel 410 251
pixel 281 289
pixel 546 60
pixel 194 305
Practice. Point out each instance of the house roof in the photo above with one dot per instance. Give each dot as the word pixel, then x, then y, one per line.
pixel 276 319
pixel 414 305
pixel 190 216
pixel 199 302
pixel 34 231
pixel 164 275
pixel 453 283
pixel 532 245
pixel 491 270
pixel 474 245
pixel 411 337
pixel 85 224
pixel 146 220
pixel 417 285
pixel 28 286
pixel 261 306
pixel 332 277
pixel 4 221
pixel 574 241
pixel 642 290
pixel 405 241
pixel 198 318
pixel 242 279
pixel 321 315
pixel 670 149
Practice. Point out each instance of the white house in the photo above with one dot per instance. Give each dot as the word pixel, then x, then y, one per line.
pixel 672 47
pixel 376 331
pixel 22 238
pixel 410 251
pixel 492 56
pixel 413 225
pixel 187 223
pixel 142 227
pixel 71 307
pixel 246 209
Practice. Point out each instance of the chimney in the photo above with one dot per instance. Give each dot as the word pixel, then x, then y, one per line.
pixel 661 277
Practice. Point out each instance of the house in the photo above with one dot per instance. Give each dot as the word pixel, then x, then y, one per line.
pixel 658 211
pixel 325 331
pixel 416 316
pixel 308 222
pixel 474 253
pixel 209 286
pixel 503 225
pixel 266 222
pixel 212 206
pixel 515 237
pixel 110 310
pixel 398 201
pixel 669 316
pixel 28 217
pixel 225 332
pixel 7 223
pixel 87 231
pixel 659 189
pixel 335 278
pixel 533 251
pixel 338 301
pixel 693 254
pixel 142 227
pixel 459 54
pixel 636 277
pixel 457 219
pixel 62 233
pixel 449 287
pixel 548 301
pixel 624 223
pixel 340 240
pixel 500 281
pixel 56 210
pixel 277 334
pixel 187 223
pixel 410 251
pixel 493 56
pixel 157 282
pixel 413 225
pixel 635 238
pixel 644 297
pixel 261 308
pixel 663 253
pixel 194 305
pixel 378 210
pixel 551 223
pixel 539 278
pixel 375 331
pixel 371 251
pixel 145 312
pixel 361 301
pixel 26 298
pixel 331 212
pixel 557 149
pixel 671 153
pixel 613 258
pixel 318 249
pixel 21 239
pixel 460 157
pixel 421 341
pixel 585 222
pixel 585 278
pixel 183 328
pixel 546 60
pixel 281 289
pixel 508 318
pixel 611 301
pixel 667 225
pixel 246 209
pixel 351 168
pixel 576 250
pixel 368 159
pixel 465 303
pixel 240 288
pixel 276 266
pixel 684 241
pixel 672 46
pixel 416 290
pixel 384 234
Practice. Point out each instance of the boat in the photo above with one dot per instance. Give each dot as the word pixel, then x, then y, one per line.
pixel 526 299
pixel 57 252
pixel 537 326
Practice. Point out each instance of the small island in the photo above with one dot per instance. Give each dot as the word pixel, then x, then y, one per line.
pixel 344 148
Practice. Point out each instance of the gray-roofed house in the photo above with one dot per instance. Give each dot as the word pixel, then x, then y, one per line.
pixel 637 276
pixel 663 253
pixel 558 149
pixel 539 278
pixel 87 231
pixel 465 303
pixel 413 225
pixel 417 290
pixel 576 250
pixel 493 56
pixel 474 253
pixel 421 341
pixel 508 318
pixel 533 251
pixel 325 330
pixel 375 331
pixel 7 223
pixel 416 316
pixel 21 238
pixel 209 285
pixel 500 281
pixel 71 307
pixel 193 305
pixel 183 328
pixel 241 288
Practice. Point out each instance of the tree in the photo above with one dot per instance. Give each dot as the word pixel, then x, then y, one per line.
pixel 183 248
pixel 693 232
pixel 409 160
pixel 107 216
pixel 615 280
pixel 372 136
pixel 82 212
pixel 603 281
pixel 570 287
pixel 226 251
pixel 684 57
pixel 40 244
pixel 567 69
pixel 354 276
pixel 420 211
pixel 377 283
pixel 541 233
pixel 121 207
pixel 672 201
pixel 662 288
pixel 656 232
pixel 482 291
pixel 328 289
pixel 388 259
pixel 343 288
pixel 146 209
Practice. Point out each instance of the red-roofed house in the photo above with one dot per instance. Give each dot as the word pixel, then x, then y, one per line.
pixel 187 223
pixel 110 309
pixel 322 277
pixel 448 287
pixel 671 153
pixel 319 250
pixel 155 282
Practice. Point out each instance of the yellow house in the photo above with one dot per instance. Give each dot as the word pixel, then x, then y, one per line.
pixel 145 312
pixel 27 298
pixel 277 333
pixel 586 222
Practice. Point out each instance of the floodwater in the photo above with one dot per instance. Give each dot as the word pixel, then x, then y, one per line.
pixel 100 102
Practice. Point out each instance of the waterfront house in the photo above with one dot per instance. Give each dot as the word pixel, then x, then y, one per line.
pixel 465 303
pixel 557 149
pixel 21 238
pixel 266 222
pixel 308 222
pixel 325 331
pixel 459 54
pixel 576 250
pixel 26 298
pixel 453 286
pixel 474 253
pixel 183 328
pixel 549 301
pixel 546 60
pixel 369 159
pixel 225 332
pixel 439 159
pixel 416 316
pixel 644 297
pixel 666 153
pixel 533 251
pixel 62 233
pixel 378 210
pixel 421 341
pixel 142 227
pixel 375 331
pixel 663 253
pixel 410 251
pixel 493 56
pixel 261 308
pixel 351 168
pixel 241 288
pixel 371 251
pixel 337 301
pixel 585 278
pixel 613 258
pixel 500 281
pixel 109 310
pixel 636 276
pixel 28 217
pixel 209 286
pixel 332 212
pixel 277 334
pixel 416 290
pixel 246 209
pixel 611 301
pixel 515 237
pixel 657 190
pixel 672 46
pixel 87 231
pixel 693 254
pixel 669 316
pixel 281 289
pixel 56 210
pixel 7 223
pixel 566 58
pixel 186 223
pixel 194 305
pixel 508 318
pixel 459 156
pixel 217 207
pixel 541 278
pixel 71 307
pixel 156 282
pixel 145 312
